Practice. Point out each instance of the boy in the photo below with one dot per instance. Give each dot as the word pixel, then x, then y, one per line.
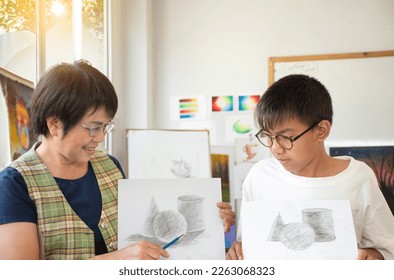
pixel 295 117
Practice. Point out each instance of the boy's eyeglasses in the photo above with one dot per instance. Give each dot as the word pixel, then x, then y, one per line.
pixel 95 130
pixel 284 141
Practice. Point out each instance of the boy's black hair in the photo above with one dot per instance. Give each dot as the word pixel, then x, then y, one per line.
pixel 68 92
pixel 294 96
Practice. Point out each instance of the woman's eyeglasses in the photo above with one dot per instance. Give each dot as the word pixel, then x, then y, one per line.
pixel 95 130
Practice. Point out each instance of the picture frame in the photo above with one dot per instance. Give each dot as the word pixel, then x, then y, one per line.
pixel 165 153
pixel 222 162
pixel 380 159
pixel 16 93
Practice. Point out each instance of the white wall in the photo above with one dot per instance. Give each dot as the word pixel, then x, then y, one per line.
pixel 164 48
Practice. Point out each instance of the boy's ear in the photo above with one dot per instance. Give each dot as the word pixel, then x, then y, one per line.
pixel 323 128
pixel 54 126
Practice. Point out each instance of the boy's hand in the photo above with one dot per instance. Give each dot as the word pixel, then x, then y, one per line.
pixel 369 254
pixel 235 252
pixel 227 215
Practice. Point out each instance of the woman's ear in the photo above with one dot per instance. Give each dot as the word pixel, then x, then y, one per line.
pixel 323 128
pixel 54 126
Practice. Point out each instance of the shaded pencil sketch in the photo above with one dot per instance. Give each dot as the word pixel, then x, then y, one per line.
pixel 168 225
pixel 153 210
pixel 163 226
pixel 192 208
pixel 322 223
pixel 158 210
pixel 298 230
pixel 276 228
pixel 296 236
pixel 181 168
pixel 181 153
pixel 317 226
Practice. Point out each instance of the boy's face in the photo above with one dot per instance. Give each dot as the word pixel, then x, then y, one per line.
pixel 302 158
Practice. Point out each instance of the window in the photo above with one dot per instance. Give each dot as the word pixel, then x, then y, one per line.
pixel 71 29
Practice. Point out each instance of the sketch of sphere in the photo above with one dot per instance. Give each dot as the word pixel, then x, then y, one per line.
pixel 168 225
pixel 297 236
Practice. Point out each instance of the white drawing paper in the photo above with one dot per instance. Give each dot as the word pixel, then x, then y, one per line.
pixel 168 153
pixel 303 230
pixel 241 170
pixel 159 210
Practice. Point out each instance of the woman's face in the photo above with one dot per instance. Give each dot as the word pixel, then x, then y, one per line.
pixel 77 146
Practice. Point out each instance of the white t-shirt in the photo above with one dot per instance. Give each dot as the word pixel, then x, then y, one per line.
pixel 373 220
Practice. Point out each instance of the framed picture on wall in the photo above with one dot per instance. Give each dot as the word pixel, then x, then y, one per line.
pixel 380 159
pixel 222 162
pixel 15 98
pixel 168 153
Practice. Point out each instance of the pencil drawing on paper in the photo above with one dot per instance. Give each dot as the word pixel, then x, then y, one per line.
pixel 317 226
pixel 163 226
pixel 181 168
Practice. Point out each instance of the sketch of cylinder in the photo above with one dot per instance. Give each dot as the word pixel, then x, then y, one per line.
pixel 321 221
pixel 192 208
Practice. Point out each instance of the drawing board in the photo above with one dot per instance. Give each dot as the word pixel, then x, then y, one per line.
pixel 168 153
pixel 303 230
pixel 360 85
pixel 159 210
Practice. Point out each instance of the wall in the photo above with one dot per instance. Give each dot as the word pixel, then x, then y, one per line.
pixel 164 48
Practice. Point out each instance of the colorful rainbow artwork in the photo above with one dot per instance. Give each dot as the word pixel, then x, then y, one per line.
pixel 188 108
pixel 222 104
pixel 247 102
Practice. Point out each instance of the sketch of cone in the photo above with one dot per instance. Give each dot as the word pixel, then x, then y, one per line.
pixel 153 210
pixel 277 226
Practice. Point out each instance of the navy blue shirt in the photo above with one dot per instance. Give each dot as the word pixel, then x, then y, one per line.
pixel 83 195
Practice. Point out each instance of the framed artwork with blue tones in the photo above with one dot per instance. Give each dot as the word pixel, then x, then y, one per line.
pixel 380 159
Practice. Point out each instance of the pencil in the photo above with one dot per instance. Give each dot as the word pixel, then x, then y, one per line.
pixel 173 241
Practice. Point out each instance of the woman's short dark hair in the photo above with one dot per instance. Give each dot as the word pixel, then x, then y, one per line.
pixel 68 92
pixel 292 96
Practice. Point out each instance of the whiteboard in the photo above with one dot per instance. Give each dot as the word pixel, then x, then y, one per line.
pixel 362 90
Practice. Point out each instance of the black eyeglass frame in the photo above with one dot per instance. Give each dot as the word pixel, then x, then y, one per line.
pixel 291 139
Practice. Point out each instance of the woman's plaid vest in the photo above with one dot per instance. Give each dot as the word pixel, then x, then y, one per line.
pixel 62 234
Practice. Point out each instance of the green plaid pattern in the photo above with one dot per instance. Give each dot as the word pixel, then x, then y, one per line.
pixel 63 235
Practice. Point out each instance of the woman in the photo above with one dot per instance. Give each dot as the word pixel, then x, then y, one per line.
pixel 59 200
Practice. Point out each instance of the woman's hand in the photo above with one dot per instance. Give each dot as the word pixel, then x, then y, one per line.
pixel 235 252
pixel 141 250
pixel 226 214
